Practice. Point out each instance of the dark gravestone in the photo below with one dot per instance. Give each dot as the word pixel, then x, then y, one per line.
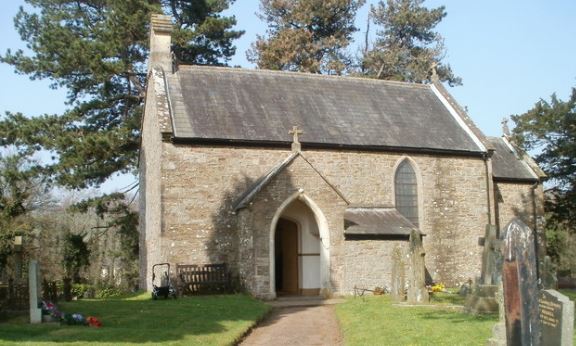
pixel 519 277
pixel 557 318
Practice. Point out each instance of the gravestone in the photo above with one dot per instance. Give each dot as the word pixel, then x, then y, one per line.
pixel 417 292
pixel 548 277
pixel 557 318
pixel 490 255
pixel 499 330
pixel 398 285
pixel 483 297
pixel 519 278
pixel 34 287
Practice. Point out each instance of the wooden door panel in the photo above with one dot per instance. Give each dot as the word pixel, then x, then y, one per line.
pixel 288 238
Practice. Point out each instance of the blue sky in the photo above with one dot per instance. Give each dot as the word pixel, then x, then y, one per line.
pixel 509 54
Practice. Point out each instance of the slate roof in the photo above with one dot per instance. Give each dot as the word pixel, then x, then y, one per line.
pixel 376 221
pixel 507 164
pixel 211 104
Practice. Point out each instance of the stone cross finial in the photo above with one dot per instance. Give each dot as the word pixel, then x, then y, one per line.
pixel 434 78
pixel 505 128
pixel 295 142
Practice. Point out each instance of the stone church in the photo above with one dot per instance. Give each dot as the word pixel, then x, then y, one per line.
pixel 303 184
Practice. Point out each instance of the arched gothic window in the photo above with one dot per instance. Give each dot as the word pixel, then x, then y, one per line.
pixel 406 191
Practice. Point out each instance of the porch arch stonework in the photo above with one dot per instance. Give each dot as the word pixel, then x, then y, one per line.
pixel 324 232
pixel 257 224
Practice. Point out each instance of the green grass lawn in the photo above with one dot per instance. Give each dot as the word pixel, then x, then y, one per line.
pixel 205 320
pixel 376 321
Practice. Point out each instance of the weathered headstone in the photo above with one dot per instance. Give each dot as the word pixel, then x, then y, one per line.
pixel 482 300
pixel 417 292
pixel 490 271
pixel 548 277
pixel 398 286
pixel 34 287
pixel 557 318
pixel 483 297
pixel 519 277
pixel 499 330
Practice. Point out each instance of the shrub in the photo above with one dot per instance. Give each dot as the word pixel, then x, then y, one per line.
pixel 82 290
pixel 109 292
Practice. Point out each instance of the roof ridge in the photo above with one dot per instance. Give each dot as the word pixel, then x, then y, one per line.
pixel 303 74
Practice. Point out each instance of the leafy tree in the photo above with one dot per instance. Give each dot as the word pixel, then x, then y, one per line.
pixel 76 255
pixel 202 35
pixel 305 35
pixel 116 210
pixel 97 50
pixel 21 192
pixel 407 48
pixel 549 129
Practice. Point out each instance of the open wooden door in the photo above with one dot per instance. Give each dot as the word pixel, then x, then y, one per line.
pixel 286 248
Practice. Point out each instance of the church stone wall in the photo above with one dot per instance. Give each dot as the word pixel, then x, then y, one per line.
pixel 368 263
pixel 453 202
pixel 516 200
pixel 201 183
pixel 150 205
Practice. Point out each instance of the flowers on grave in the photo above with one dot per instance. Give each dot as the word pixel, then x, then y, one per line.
pixel 93 322
pixel 439 287
pixel 74 319
pixel 50 309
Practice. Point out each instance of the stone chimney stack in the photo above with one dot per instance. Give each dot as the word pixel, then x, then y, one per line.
pixel 160 42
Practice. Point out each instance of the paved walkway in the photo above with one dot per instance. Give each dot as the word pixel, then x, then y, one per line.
pixel 298 325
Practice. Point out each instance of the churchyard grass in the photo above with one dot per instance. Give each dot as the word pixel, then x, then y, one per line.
pixel 570 293
pixel 203 320
pixel 374 320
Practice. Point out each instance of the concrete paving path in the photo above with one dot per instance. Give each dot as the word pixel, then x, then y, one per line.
pixel 298 325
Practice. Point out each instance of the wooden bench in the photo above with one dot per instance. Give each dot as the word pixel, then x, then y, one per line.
pixel 203 279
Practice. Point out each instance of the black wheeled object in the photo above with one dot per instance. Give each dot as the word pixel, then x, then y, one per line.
pixel 165 288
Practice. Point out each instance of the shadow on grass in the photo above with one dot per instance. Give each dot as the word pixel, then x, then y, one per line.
pixel 206 319
pixel 447 298
pixel 456 317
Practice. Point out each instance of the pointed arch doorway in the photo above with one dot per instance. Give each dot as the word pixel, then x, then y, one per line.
pixel 298 257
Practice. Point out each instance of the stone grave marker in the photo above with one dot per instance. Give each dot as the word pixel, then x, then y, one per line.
pixel 417 292
pixel 499 330
pixel 557 318
pixel 34 287
pixel 490 257
pixel 520 282
pixel 398 275
pixel 548 277
pixel 483 297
